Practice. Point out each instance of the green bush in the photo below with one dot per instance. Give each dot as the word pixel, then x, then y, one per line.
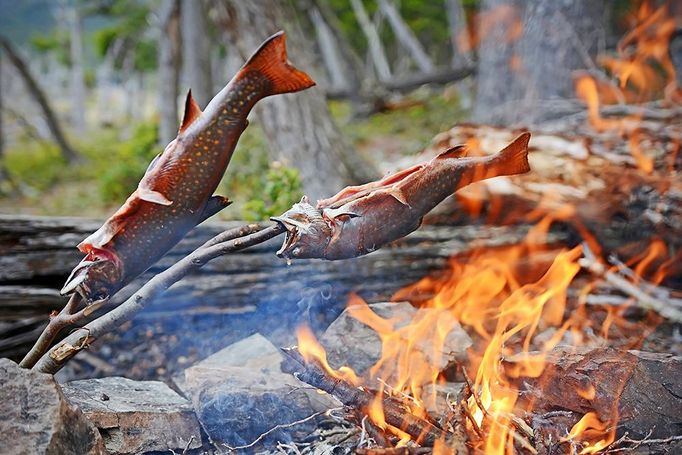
pixel 121 165
pixel 280 189
pixel 35 164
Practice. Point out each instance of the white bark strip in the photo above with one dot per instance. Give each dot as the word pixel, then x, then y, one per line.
pixel 330 52
pixel 77 74
pixel 459 36
pixel 169 69
pixel 196 52
pixel 406 37
pixel 376 49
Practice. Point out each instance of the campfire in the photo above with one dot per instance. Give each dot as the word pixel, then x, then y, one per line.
pixel 536 311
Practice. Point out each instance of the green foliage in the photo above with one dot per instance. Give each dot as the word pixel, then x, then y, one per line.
pixel 280 189
pixel 259 188
pixel 120 165
pixel 56 41
pixel 35 164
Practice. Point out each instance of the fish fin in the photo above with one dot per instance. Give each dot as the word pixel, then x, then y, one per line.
pixel 95 242
pixel 192 111
pixel 155 197
pixel 353 192
pixel 398 195
pixel 102 236
pixel 513 159
pixel 214 205
pixel 271 61
pixel 458 151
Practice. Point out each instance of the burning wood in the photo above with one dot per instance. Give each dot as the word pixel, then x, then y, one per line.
pixel 395 414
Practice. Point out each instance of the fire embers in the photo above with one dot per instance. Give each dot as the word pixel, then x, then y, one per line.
pixel 361 219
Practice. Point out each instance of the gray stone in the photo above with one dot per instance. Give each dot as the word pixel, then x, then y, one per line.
pixel 37 419
pixel 241 392
pixel 136 416
pixel 349 342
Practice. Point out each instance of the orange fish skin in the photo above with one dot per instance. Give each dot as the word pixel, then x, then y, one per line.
pixel 359 220
pixel 175 193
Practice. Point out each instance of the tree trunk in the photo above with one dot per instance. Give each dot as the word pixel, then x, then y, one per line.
pixel 376 49
pixel 459 36
pixel 406 37
pixel 519 72
pixel 77 75
pixel 37 93
pixel 196 52
pixel 298 127
pixel 169 69
pixel 3 171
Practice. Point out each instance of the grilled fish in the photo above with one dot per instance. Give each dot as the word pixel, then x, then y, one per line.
pixel 175 193
pixel 361 219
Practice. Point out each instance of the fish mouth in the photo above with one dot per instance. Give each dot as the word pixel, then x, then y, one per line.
pixel 78 276
pixel 291 236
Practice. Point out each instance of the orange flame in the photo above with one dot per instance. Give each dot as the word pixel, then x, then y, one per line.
pixel 592 433
pixel 312 350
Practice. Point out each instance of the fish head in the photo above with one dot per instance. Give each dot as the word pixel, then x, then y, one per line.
pixel 307 233
pixel 94 279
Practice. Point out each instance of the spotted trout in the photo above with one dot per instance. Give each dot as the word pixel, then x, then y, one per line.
pixel 176 192
pixel 361 219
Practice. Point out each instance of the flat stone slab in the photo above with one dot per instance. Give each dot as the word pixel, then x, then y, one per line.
pixel 241 392
pixel 36 418
pixel 136 416
pixel 349 342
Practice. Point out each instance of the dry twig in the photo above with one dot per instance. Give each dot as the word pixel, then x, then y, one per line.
pixel 642 298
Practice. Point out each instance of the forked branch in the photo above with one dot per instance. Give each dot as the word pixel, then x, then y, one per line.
pixel 239 239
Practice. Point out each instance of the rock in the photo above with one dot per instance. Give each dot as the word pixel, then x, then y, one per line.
pixel 351 343
pixel 436 396
pixel 136 416
pixel 241 392
pixel 37 418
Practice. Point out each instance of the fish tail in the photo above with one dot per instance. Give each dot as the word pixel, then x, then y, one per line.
pixel 270 60
pixel 511 160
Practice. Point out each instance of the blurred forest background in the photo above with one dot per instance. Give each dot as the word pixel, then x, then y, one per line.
pixel 91 91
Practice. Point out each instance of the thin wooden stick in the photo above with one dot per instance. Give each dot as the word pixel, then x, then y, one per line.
pixel 56 357
pixel 642 299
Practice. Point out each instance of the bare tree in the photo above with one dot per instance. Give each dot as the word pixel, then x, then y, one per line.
pixel 336 70
pixel 196 53
pixel 169 69
pixel 77 74
pixel 37 93
pixel 528 55
pixel 298 127
pixel 3 171
pixel 459 36
pixel 406 37
pixel 376 49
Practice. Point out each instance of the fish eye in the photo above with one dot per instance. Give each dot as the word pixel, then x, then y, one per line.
pixel 100 295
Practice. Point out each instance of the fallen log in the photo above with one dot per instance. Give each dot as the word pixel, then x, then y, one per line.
pixel 640 392
pixel 38 253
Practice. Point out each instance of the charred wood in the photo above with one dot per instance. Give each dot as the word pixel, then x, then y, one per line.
pixel 639 389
